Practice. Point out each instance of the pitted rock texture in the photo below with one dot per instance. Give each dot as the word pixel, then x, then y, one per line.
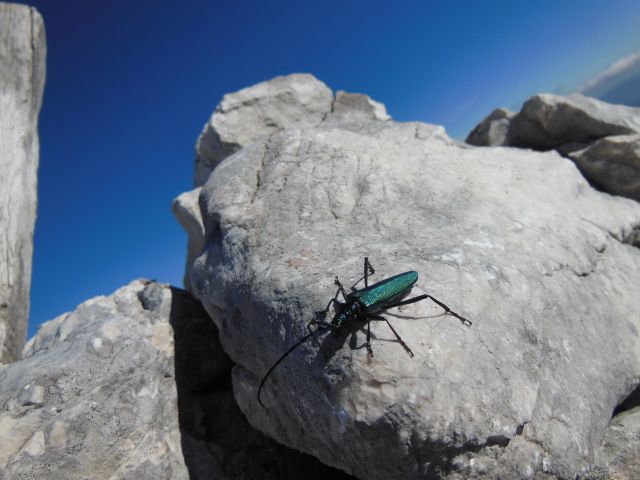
pixel 95 394
pixel 517 241
pixel 602 139
pixel 95 397
pixel 22 72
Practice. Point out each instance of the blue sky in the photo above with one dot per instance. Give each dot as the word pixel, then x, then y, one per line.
pixel 130 85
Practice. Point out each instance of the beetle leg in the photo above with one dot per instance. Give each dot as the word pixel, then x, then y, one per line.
pixel 340 289
pixel 368 270
pixel 334 299
pixel 447 310
pixel 368 344
pixel 323 325
pixel 398 338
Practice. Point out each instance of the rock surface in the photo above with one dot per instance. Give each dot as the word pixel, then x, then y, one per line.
pixel 612 164
pixel 22 73
pixel 619 456
pixel 291 101
pixel 262 109
pixel 186 209
pixel 95 397
pixel 517 241
pixel 571 124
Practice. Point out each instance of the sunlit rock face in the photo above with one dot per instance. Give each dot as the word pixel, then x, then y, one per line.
pixel 515 240
pixel 601 138
pixel 242 117
pixel 22 73
pixel 134 385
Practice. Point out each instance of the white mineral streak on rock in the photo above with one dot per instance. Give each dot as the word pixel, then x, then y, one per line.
pixel 58 435
pixel 22 72
pixel 527 389
pixel 35 446
pixel 162 337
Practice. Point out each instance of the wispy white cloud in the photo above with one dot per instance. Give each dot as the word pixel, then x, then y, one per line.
pixel 618 68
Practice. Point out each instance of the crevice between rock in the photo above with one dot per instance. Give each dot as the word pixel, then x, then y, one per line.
pixel 630 402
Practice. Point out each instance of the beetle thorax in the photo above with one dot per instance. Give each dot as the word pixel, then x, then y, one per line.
pixel 350 312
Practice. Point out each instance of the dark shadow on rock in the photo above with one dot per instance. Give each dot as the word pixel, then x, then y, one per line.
pixel 630 402
pixel 217 440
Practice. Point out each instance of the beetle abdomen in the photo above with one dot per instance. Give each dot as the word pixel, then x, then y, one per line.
pixel 377 295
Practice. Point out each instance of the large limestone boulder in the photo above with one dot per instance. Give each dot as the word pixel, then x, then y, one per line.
pixel 612 164
pixel 95 395
pixel 22 73
pixel 133 385
pixel 291 101
pixel 262 109
pixel 517 241
pixel 601 138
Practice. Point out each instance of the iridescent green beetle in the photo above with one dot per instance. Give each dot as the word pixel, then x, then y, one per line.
pixel 365 305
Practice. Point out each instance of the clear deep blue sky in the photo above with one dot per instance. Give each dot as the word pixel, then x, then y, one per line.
pixel 131 83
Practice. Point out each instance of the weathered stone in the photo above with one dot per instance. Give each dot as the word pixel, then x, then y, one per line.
pixel 601 138
pixel 95 395
pixel 493 130
pixel 356 107
pixel 292 100
pixel 549 121
pixel 619 456
pixel 612 164
pixel 187 211
pixel 22 73
pixel 517 241
pixel 217 440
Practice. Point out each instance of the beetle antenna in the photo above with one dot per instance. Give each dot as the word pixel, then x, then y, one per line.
pixel 284 355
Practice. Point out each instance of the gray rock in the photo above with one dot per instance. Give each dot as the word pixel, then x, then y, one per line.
pixel 356 107
pixel 517 241
pixel 242 117
pixel 217 440
pixel 292 101
pixel 619 455
pixel 95 395
pixel 22 73
pixel 612 164
pixel 493 130
pixel 601 138
pixel 265 108
pixel 550 121
pixel 186 209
